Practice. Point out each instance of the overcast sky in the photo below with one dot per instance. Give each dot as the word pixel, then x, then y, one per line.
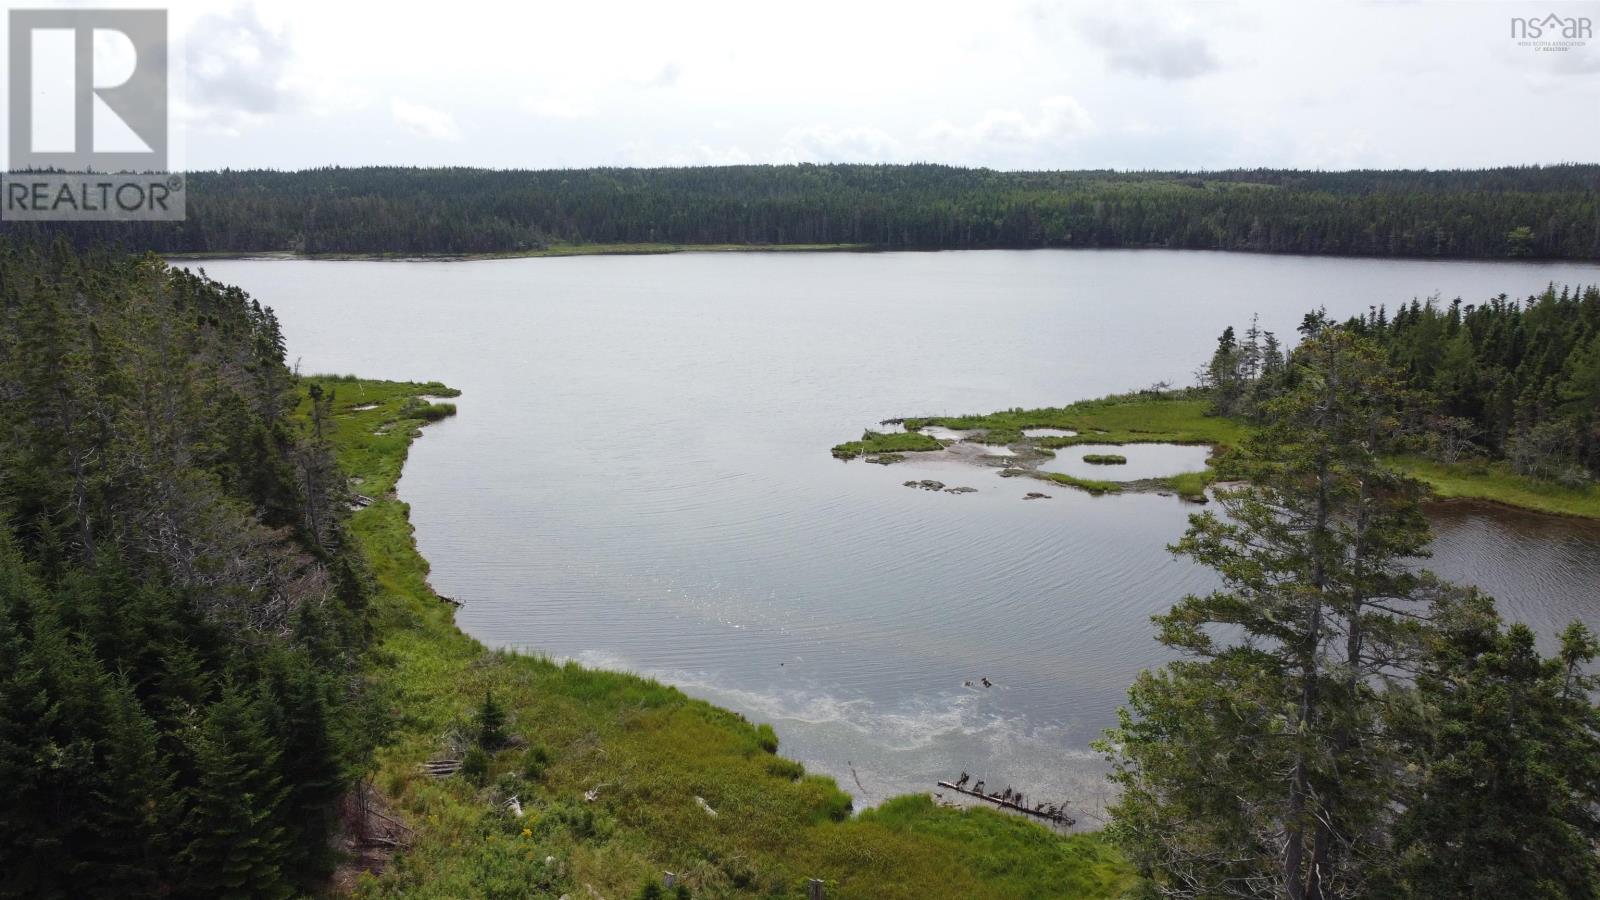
pixel 291 84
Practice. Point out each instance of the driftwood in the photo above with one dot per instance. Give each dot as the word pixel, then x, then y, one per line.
pixel 441 768
pixel 1057 817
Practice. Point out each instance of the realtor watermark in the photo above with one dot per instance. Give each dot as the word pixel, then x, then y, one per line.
pixel 1552 33
pixel 88 125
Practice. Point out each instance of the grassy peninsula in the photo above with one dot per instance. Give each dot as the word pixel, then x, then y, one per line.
pixel 1185 417
pixel 1146 417
pixel 649 754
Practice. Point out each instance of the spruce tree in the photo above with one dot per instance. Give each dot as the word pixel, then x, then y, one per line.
pixel 234 840
pixel 1257 767
pixel 1505 796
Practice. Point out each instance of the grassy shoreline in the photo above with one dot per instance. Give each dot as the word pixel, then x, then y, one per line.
pixel 1174 417
pixel 1495 483
pixel 651 754
pixel 1177 418
pixel 555 250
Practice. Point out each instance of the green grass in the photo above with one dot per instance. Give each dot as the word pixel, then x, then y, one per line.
pixel 1083 484
pixel 1175 417
pixel 1496 483
pixel 1191 485
pixel 647 748
pixel 428 412
pixel 1171 418
pixel 1180 417
pixel 878 442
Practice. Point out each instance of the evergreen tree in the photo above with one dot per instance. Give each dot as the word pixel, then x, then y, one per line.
pixel 1258 769
pixel 1507 747
pixel 491 723
pixel 180 623
pixel 234 843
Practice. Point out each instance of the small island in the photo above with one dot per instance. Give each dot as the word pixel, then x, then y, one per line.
pixel 1030 438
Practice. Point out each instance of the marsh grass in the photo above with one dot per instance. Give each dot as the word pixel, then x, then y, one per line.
pixel 1191 485
pixel 878 442
pixel 1083 484
pixel 645 749
pixel 1174 417
pixel 428 412
pixel 1496 483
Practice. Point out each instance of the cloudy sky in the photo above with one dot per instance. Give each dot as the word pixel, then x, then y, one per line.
pixel 1030 84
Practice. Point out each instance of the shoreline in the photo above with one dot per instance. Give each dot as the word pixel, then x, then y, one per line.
pixel 661 249
pixel 553 252
pixel 1179 418
pixel 1175 417
pixel 633 777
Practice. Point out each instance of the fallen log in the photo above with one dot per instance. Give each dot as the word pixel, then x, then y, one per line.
pixel 1058 817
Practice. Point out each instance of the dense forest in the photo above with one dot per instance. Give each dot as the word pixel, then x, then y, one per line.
pixel 180 608
pixel 1503 379
pixel 1540 212
pixel 1340 723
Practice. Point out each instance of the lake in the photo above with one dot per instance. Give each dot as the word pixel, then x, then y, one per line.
pixel 639 477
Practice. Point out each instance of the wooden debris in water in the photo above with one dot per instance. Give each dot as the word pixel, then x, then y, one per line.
pixel 1052 814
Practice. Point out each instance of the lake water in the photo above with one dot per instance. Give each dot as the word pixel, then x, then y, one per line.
pixel 639 477
pixel 1143 461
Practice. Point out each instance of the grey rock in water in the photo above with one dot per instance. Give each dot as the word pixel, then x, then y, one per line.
pixel 1035 495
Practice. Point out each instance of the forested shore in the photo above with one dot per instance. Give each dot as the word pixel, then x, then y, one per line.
pixel 1502 398
pixel 223 672
pixel 183 617
pixel 1550 212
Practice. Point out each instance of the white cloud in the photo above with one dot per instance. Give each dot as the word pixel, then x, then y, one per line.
pixel 667 76
pixel 425 121
pixel 1155 46
pixel 237 71
pixel 998 137
pixel 824 143
pixel 1156 83
pixel 560 107
pixel 1059 119
pixel 722 156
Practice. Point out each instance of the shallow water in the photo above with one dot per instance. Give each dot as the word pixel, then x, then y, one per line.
pixel 639 476
pixel 1144 461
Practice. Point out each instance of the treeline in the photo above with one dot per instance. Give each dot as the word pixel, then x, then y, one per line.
pixel 1505 379
pixel 180 607
pixel 1342 724
pixel 1543 212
